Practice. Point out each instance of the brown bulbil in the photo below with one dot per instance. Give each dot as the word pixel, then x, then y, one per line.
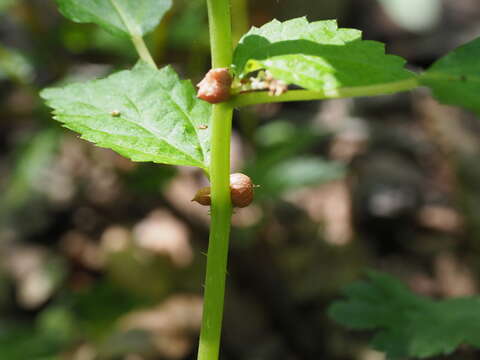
pixel 241 191
pixel 215 86
pixel 203 196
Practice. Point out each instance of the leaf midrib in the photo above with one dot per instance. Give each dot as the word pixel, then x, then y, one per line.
pixel 124 19
pixel 444 76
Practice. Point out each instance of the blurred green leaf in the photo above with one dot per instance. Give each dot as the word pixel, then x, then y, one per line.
pixel 144 114
pixel 120 344
pixel 317 56
pixel 286 134
pixel 26 344
pixel 105 41
pixel 152 279
pixel 30 163
pixel 299 172
pixel 279 167
pixel 5 4
pixel 120 17
pixel 98 307
pixel 189 28
pixel 408 325
pixel 455 78
pixel 14 66
pixel 58 322
pixel 149 179
pixel 54 330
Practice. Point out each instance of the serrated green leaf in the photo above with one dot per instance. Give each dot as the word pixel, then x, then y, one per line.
pixel 120 17
pixel 408 325
pixel 317 56
pixel 144 114
pixel 455 78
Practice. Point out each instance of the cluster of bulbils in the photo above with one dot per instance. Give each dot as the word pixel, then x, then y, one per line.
pixel 215 88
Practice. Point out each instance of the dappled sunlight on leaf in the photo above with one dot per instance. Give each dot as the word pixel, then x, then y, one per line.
pixel 317 56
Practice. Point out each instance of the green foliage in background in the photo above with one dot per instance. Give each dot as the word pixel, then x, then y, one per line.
pixel 408 325
pixel 455 78
pixel 31 160
pixel 14 65
pixel 281 163
pixel 5 4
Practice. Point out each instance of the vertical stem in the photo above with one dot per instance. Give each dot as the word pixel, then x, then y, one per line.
pixel 135 34
pixel 142 50
pixel 240 22
pixel 221 210
pixel 219 234
pixel 220 32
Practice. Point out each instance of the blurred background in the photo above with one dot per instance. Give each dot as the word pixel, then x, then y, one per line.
pixel 102 258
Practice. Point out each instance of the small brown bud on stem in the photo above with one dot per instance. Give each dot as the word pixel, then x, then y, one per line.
pixel 241 191
pixel 203 196
pixel 215 86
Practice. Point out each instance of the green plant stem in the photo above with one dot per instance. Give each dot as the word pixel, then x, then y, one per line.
pixel 142 50
pixel 240 22
pixel 221 209
pixel 135 35
pixel 220 32
pixel 262 97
